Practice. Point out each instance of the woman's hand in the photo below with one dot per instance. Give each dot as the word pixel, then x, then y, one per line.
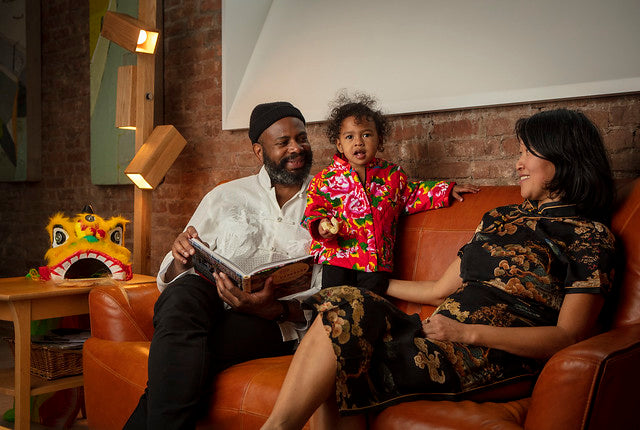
pixel 576 321
pixel 438 327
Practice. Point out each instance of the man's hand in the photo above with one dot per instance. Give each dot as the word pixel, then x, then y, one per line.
pixel 182 251
pixel 260 303
pixel 329 228
pixel 464 188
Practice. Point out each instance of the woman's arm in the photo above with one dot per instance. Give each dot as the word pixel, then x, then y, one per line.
pixel 428 292
pixel 577 321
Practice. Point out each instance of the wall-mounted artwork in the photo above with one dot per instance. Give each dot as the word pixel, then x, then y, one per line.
pixel 111 148
pixel 20 116
pixel 425 55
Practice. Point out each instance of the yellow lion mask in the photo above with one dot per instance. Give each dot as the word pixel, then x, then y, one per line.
pixel 86 246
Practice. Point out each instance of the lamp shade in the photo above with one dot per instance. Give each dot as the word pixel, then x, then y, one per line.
pixel 126 98
pixel 156 155
pixel 129 33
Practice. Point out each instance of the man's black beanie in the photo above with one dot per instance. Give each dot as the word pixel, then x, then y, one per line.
pixel 266 114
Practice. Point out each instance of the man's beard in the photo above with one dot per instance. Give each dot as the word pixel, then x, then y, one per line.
pixel 281 176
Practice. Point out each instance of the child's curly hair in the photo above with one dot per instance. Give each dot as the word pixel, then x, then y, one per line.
pixel 361 106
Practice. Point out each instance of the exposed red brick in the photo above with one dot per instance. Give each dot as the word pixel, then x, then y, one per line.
pixel 599 116
pixel 449 170
pixel 628 114
pixel 625 163
pixel 504 170
pixel 510 146
pixel 437 150
pixel 458 128
pixel 618 139
pixel 468 148
pixel 498 126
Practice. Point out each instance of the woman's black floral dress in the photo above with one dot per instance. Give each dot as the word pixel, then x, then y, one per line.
pixel 516 270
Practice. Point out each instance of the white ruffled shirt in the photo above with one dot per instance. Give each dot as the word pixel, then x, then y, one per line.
pixel 241 219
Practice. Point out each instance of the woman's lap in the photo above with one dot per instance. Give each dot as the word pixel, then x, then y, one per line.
pixel 376 349
pixel 384 358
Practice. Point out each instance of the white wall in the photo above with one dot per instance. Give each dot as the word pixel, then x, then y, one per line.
pixel 425 55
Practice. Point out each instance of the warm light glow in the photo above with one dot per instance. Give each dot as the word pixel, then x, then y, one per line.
pixel 156 155
pixel 142 37
pixel 148 45
pixel 140 182
pixel 129 32
pixel 127 127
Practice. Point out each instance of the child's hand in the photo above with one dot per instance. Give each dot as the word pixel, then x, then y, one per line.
pixel 329 228
pixel 464 188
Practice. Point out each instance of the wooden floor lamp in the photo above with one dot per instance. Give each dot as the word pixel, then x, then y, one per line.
pixel 156 148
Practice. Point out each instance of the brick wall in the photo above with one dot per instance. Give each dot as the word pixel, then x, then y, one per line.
pixel 474 145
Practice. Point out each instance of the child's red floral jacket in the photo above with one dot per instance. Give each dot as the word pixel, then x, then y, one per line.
pixel 369 212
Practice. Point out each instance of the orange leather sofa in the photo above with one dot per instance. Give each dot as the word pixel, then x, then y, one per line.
pixel 594 384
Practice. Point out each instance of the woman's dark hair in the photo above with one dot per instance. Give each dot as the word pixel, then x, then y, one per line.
pixel 570 141
pixel 360 106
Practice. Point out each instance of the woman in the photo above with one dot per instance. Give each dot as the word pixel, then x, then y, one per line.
pixel 530 282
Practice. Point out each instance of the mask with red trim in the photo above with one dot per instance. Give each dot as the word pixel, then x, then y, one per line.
pixel 86 246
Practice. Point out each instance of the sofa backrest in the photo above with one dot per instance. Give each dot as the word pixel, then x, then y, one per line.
pixel 626 226
pixel 429 241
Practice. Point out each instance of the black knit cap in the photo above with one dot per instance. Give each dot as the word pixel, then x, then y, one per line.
pixel 266 114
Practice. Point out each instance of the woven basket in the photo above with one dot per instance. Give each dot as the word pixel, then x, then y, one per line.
pixel 52 363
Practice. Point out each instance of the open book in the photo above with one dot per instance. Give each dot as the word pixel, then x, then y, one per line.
pixel 289 276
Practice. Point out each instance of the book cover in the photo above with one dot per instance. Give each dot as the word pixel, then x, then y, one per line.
pixel 289 276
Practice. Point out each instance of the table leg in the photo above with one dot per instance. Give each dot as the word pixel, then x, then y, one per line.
pixel 22 327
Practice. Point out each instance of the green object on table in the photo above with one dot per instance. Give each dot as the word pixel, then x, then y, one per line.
pixel 10 415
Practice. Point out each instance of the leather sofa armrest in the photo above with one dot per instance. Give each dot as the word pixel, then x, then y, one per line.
pixel 592 384
pixel 123 313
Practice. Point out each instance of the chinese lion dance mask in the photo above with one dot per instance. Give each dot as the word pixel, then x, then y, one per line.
pixel 86 246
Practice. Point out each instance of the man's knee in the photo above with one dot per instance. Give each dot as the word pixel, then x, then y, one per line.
pixel 188 298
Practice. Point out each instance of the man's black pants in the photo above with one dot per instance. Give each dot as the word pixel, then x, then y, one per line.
pixel 194 339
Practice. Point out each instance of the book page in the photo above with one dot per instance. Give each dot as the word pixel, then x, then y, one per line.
pixel 248 265
pixel 265 264
pixel 206 262
pixel 289 276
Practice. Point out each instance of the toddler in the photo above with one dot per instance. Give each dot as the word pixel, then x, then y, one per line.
pixel 353 205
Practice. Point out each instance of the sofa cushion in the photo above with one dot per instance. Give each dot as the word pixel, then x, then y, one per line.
pixel 245 393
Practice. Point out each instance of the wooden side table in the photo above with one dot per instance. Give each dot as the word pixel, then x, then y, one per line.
pixel 22 301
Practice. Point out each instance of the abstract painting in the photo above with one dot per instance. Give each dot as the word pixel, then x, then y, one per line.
pixel 20 90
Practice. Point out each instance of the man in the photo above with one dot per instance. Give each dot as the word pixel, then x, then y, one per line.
pixel 200 328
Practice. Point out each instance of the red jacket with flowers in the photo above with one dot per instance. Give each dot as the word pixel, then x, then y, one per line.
pixel 369 212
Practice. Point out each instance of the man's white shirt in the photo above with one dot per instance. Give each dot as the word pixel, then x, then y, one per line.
pixel 241 219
